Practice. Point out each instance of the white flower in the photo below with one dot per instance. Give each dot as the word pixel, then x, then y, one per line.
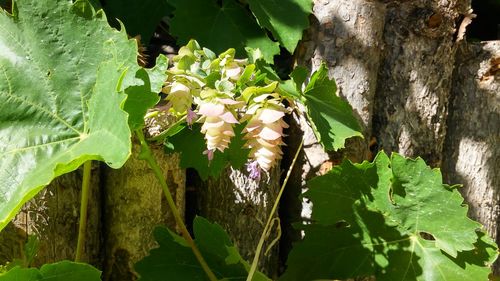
pixel 264 135
pixel 218 122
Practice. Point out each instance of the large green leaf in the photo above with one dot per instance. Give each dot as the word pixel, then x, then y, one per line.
pixel 286 19
pixel 175 259
pixel 140 17
pixel 191 145
pixel 60 271
pixel 59 103
pixel 220 27
pixel 393 219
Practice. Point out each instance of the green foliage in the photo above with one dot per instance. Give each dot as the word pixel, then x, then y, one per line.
pixel 286 19
pixel 393 219
pixel 157 73
pixel 331 117
pixel 220 27
pixel 140 98
pixel 173 258
pixel 191 145
pixel 139 17
pixel 61 70
pixel 60 271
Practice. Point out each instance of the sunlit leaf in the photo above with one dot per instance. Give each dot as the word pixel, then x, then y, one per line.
pixel 61 71
pixel 392 219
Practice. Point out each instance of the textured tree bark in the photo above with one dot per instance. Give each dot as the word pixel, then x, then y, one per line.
pixel 347 36
pixel 414 79
pixel 53 217
pixel 134 204
pixel 241 206
pixel 472 150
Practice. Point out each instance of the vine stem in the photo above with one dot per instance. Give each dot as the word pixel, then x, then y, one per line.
pixel 147 156
pixel 84 202
pixel 255 261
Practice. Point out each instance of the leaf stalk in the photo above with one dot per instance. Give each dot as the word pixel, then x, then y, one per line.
pixel 84 202
pixel 147 156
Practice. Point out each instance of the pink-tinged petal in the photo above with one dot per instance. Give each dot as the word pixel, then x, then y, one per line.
pixel 228 117
pixel 270 115
pixel 210 154
pixel 275 126
pixel 265 142
pixel 179 87
pixel 233 72
pixel 283 124
pixel 269 134
pixel 211 125
pixel 190 117
pixel 229 133
pixel 268 153
pixel 229 101
pixel 211 109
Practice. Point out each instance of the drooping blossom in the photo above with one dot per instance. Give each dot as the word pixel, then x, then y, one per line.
pixel 265 132
pixel 218 122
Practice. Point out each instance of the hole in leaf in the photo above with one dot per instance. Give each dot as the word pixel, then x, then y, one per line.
pixel 426 236
pixel 342 224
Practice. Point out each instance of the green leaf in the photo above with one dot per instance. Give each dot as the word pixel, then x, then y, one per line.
pixel 139 100
pixel 139 17
pixel 286 19
pixel 175 259
pixel 393 219
pixel 157 74
pixel 59 103
pixel 31 249
pixel 332 118
pixel 220 27
pixel 191 145
pixel 60 271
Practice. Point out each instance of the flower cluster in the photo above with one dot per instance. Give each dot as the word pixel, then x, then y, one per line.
pixel 220 92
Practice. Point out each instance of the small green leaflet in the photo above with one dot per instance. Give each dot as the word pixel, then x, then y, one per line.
pixel 191 145
pixel 393 219
pixel 61 70
pixel 332 118
pixel 286 19
pixel 139 100
pixel 175 259
pixel 60 271
pixel 220 27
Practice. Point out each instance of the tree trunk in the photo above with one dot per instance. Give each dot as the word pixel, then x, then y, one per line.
pixel 472 150
pixel 53 217
pixel 241 206
pixel 134 204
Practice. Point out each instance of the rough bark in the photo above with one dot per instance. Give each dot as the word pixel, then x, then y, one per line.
pixel 134 204
pixel 53 217
pixel 241 206
pixel 347 36
pixel 414 79
pixel 472 151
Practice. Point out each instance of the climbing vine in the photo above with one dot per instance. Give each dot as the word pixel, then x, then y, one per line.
pixel 71 92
